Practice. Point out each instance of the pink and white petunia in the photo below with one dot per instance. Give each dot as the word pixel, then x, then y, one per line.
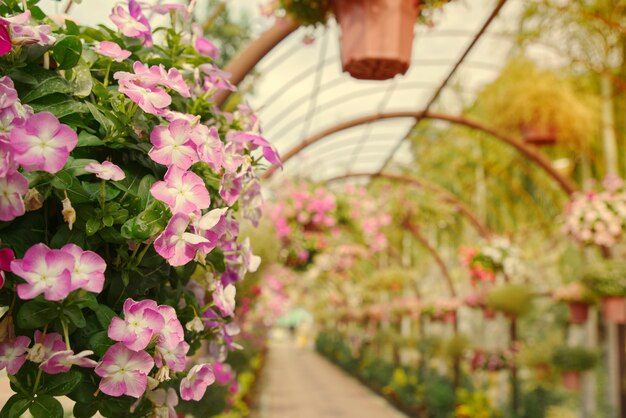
pixel 212 226
pixel 194 385
pixel 173 145
pixel 8 94
pixel 172 332
pixel 183 191
pixel 132 22
pixel 151 100
pixel 231 187
pixel 5 39
pixel 124 371
pixel 13 354
pixel 24 34
pixel 224 298
pixel 6 256
pixel 13 186
pixel 43 143
pixel 44 347
pixel 45 271
pixel 254 141
pixel 88 270
pixel 210 148
pixel 174 358
pixel 111 50
pixel 141 321
pixel 106 171
pixel 62 361
pixel 176 244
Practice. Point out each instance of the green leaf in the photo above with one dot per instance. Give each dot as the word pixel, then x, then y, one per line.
pixel 99 116
pixel 61 384
pixel 46 83
pixel 63 180
pixel 94 190
pixel 77 166
pixel 15 407
pixel 75 316
pixel 36 314
pixel 65 236
pixel 72 28
pixel 85 410
pixel 92 226
pixel 59 105
pixel 85 139
pixel 147 224
pixel 45 406
pixel 100 343
pixel 67 52
pixel 86 299
pixel 105 315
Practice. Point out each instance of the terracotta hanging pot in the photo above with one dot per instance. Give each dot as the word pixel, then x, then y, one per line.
pixel 489 313
pixel 614 309
pixel 376 36
pixel 578 312
pixel 539 135
pixel 571 380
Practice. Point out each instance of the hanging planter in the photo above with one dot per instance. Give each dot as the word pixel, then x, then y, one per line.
pixel 539 135
pixel 572 362
pixel 376 36
pixel 578 298
pixel 614 309
pixel 578 312
pixel 571 380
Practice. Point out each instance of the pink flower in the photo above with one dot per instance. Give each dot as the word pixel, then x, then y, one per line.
pixel 177 245
pixel 24 34
pixel 141 321
pixel 183 191
pixel 13 354
pixel 62 361
pixel 215 78
pixel 173 145
pixel 124 372
pixel 112 50
pixel 224 298
pixel 172 332
pixel 6 256
pixel 232 158
pixel 106 171
pixel 132 22
pixel 12 187
pixel 46 346
pixel 5 39
pixel 254 140
pixel 231 187
pixel 173 79
pixel 210 148
pixel 89 267
pixel 202 45
pixel 173 357
pixel 150 99
pixel 43 143
pixel 45 271
pixel 194 385
pixel 8 94
pixel 223 373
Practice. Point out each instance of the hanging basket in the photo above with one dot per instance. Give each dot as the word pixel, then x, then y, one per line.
pixel 376 36
pixel 578 312
pixel 571 380
pixel 614 309
pixel 539 135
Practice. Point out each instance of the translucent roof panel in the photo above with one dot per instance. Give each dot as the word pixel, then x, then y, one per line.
pixel 302 90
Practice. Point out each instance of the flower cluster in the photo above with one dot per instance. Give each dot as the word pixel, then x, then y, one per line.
pixel 497 255
pixel 598 217
pixel 122 191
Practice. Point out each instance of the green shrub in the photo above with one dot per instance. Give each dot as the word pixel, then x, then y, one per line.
pixel 606 279
pixel 511 299
pixel 574 359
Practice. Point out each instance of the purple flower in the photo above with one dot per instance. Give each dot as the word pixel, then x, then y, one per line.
pixel 124 372
pixel 111 50
pixel 45 271
pixel 8 94
pixel 43 143
pixel 5 39
pixel 6 256
pixel 231 187
pixel 173 357
pixel 224 298
pixel 172 332
pixel 254 141
pixel 62 361
pixel 209 147
pixel 194 385
pixel 141 321
pixel 150 99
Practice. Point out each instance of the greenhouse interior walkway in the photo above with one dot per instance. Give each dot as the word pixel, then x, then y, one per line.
pixel 299 383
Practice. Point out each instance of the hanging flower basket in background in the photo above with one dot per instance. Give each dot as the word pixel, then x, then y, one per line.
pixel 614 309
pixel 376 36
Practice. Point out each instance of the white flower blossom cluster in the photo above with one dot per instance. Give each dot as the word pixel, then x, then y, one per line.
pixel 504 256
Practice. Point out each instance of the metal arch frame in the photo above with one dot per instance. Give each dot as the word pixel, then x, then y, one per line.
pixel 445 195
pixel 531 153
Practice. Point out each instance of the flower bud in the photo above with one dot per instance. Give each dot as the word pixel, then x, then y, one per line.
pixel 195 325
pixel 69 214
pixel 37 353
pixel 163 374
pixel 152 383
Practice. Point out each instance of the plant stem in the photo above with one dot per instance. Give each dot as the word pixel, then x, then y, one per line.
pixel 66 335
pixel 37 379
pixel 142 253
pixel 106 73
pixel 103 194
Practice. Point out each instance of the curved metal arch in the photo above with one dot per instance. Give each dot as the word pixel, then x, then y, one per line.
pixel 528 151
pixel 445 195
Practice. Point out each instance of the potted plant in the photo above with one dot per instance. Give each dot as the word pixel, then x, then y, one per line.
pixel 608 280
pixel 538 357
pixel 530 100
pixel 578 298
pixel 513 300
pixel 572 361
